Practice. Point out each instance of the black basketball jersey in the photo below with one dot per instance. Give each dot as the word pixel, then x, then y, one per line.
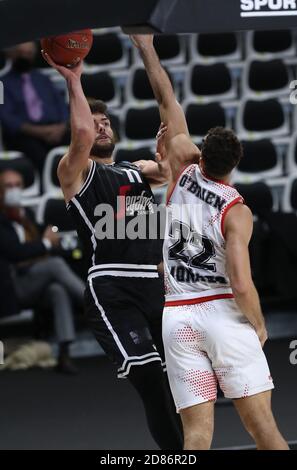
pixel 114 199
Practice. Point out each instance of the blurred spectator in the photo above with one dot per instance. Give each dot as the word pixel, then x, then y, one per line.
pixel 34 115
pixel 31 278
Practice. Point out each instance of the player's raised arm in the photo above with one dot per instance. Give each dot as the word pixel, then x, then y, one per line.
pixel 75 162
pixel 179 146
pixel 157 172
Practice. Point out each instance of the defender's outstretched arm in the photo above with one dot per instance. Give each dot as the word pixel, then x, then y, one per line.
pixel 179 146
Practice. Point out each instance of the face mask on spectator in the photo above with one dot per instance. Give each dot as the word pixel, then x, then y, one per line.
pixel 22 65
pixel 13 197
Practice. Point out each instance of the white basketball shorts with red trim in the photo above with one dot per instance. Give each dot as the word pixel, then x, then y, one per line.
pixel 208 343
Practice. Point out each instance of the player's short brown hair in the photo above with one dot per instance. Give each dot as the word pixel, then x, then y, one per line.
pixel 221 152
pixel 98 107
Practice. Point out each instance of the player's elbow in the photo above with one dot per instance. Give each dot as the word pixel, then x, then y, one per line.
pixel 164 179
pixel 240 279
pixel 240 286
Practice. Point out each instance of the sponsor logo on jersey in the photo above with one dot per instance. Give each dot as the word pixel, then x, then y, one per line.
pixel 133 205
pixel 268 8
pixel 140 205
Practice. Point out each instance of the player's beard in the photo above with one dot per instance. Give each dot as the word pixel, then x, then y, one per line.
pixel 102 150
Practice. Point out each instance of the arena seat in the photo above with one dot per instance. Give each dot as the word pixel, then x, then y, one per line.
pixel 219 47
pixel 138 89
pixel 132 153
pixel 291 160
pixel 258 119
pixel 51 183
pixel 101 85
pixel 257 196
pixel 107 52
pixel 270 44
pixel 266 79
pixel 260 161
pixel 202 117
pixel 289 202
pixel 201 83
pixel 171 49
pixel 141 123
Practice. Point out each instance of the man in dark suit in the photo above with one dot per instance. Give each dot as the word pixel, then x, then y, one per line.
pixel 30 276
pixel 34 115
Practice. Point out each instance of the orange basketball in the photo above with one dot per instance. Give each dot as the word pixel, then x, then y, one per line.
pixel 69 48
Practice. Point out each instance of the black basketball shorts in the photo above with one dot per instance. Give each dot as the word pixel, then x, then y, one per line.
pixel 125 315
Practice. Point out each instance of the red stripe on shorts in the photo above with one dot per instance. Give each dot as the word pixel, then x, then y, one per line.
pixel 199 300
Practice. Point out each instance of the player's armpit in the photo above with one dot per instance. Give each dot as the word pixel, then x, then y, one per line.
pixel 69 173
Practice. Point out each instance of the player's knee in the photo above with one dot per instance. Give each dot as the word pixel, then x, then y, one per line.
pixel 260 424
pixel 149 381
pixel 198 429
pixel 149 372
pixel 198 437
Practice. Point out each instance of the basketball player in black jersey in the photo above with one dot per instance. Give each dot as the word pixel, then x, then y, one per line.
pixel 124 295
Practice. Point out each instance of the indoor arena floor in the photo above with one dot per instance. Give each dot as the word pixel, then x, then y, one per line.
pixel 93 410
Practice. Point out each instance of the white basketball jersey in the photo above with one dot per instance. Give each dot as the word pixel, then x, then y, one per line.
pixel 194 245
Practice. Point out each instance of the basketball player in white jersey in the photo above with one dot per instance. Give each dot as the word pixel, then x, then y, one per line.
pixel 213 327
